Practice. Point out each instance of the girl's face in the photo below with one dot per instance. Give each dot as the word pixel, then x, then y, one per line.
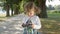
pixel 31 13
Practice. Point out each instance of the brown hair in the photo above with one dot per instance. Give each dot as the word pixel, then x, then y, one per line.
pixel 31 5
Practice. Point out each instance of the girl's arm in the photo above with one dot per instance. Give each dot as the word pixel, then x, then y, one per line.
pixel 38 23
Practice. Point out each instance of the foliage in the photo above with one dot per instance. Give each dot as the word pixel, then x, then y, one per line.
pixel 21 6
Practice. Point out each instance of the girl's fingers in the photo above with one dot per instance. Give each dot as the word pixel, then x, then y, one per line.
pixel 32 25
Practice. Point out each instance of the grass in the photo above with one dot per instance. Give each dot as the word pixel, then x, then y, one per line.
pixel 51 25
pixel 2 17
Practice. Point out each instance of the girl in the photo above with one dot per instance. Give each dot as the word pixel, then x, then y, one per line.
pixel 31 22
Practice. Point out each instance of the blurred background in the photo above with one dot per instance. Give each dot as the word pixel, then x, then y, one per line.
pixel 50 13
pixel 13 7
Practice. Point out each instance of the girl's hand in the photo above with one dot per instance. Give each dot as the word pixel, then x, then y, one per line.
pixel 24 25
pixel 32 25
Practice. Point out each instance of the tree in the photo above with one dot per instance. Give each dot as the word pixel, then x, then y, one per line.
pixel 9 4
pixel 11 7
pixel 6 7
pixel 17 7
pixel 41 4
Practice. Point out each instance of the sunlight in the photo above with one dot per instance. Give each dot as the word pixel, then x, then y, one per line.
pixel 53 3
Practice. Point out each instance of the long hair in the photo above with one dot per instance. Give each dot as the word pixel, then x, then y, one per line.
pixel 31 5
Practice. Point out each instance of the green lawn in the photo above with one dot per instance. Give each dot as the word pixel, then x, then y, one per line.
pixel 51 25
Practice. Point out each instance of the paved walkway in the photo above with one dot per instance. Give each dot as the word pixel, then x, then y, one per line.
pixel 11 26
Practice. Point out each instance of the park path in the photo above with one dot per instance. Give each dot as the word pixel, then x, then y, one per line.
pixel 11 26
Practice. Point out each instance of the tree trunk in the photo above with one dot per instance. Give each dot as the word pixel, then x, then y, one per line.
pixel 7 11
pixel 16 11
pixel 11 10
pixel 41 4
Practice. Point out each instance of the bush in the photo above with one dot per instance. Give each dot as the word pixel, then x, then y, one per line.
pixel 54 11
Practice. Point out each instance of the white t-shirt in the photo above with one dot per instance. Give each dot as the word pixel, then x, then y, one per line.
pixel 34 19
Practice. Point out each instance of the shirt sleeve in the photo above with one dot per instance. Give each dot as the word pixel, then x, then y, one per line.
pixel 38 23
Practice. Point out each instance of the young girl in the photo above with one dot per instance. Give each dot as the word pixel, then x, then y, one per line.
pixel 31 22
